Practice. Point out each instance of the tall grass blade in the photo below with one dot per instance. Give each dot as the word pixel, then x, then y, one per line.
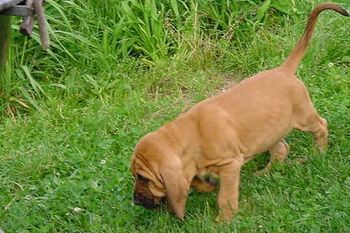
pixel 262 11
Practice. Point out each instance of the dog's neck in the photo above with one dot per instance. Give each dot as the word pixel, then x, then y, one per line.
pixel 180 139
pixel 177 135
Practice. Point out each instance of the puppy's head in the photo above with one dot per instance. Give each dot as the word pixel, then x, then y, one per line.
pixel 148 189
pixel 158 176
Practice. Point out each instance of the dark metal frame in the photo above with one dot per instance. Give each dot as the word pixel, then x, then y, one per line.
pixel 26 9
pixel 6 4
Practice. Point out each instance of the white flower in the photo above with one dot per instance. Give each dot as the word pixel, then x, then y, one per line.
pixel 77 209
pixel 103 162
pixel 330 64
pixel 94 185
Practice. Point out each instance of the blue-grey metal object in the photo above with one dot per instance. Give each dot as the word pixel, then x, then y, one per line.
pixel 18 10
pixel 5 4
pixel 27 10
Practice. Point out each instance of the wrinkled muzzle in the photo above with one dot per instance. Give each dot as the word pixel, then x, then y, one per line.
pixel 148 202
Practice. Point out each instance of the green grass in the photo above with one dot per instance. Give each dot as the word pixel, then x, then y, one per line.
pixel 71 117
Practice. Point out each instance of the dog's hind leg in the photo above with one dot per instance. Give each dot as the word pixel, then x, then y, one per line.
pixel 278 152
pixel 318 127
pixel 320 132
pixel 306 119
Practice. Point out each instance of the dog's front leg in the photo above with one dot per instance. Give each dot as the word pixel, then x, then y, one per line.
pixel 229 189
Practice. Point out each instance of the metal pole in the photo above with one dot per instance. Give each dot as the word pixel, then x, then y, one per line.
pixel 5 36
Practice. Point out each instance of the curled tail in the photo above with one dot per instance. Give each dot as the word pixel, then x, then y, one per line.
pixel 298 52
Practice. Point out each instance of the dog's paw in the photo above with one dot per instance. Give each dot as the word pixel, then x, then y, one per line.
pixel 224 217
pixel 205 184
pixel 262 172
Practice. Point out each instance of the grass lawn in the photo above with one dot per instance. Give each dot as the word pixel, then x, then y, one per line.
pixel 69 125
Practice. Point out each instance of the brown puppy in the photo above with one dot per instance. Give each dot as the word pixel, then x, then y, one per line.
pixel 220 134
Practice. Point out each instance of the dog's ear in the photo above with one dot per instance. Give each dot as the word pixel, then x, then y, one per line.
pixel 176 187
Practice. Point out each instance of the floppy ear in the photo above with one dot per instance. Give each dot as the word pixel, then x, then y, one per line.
pixel 176 187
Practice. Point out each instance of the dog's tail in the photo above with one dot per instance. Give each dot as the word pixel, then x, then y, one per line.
pixel 298 52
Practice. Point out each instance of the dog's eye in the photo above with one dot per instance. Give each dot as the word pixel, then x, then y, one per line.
pixel 141 177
